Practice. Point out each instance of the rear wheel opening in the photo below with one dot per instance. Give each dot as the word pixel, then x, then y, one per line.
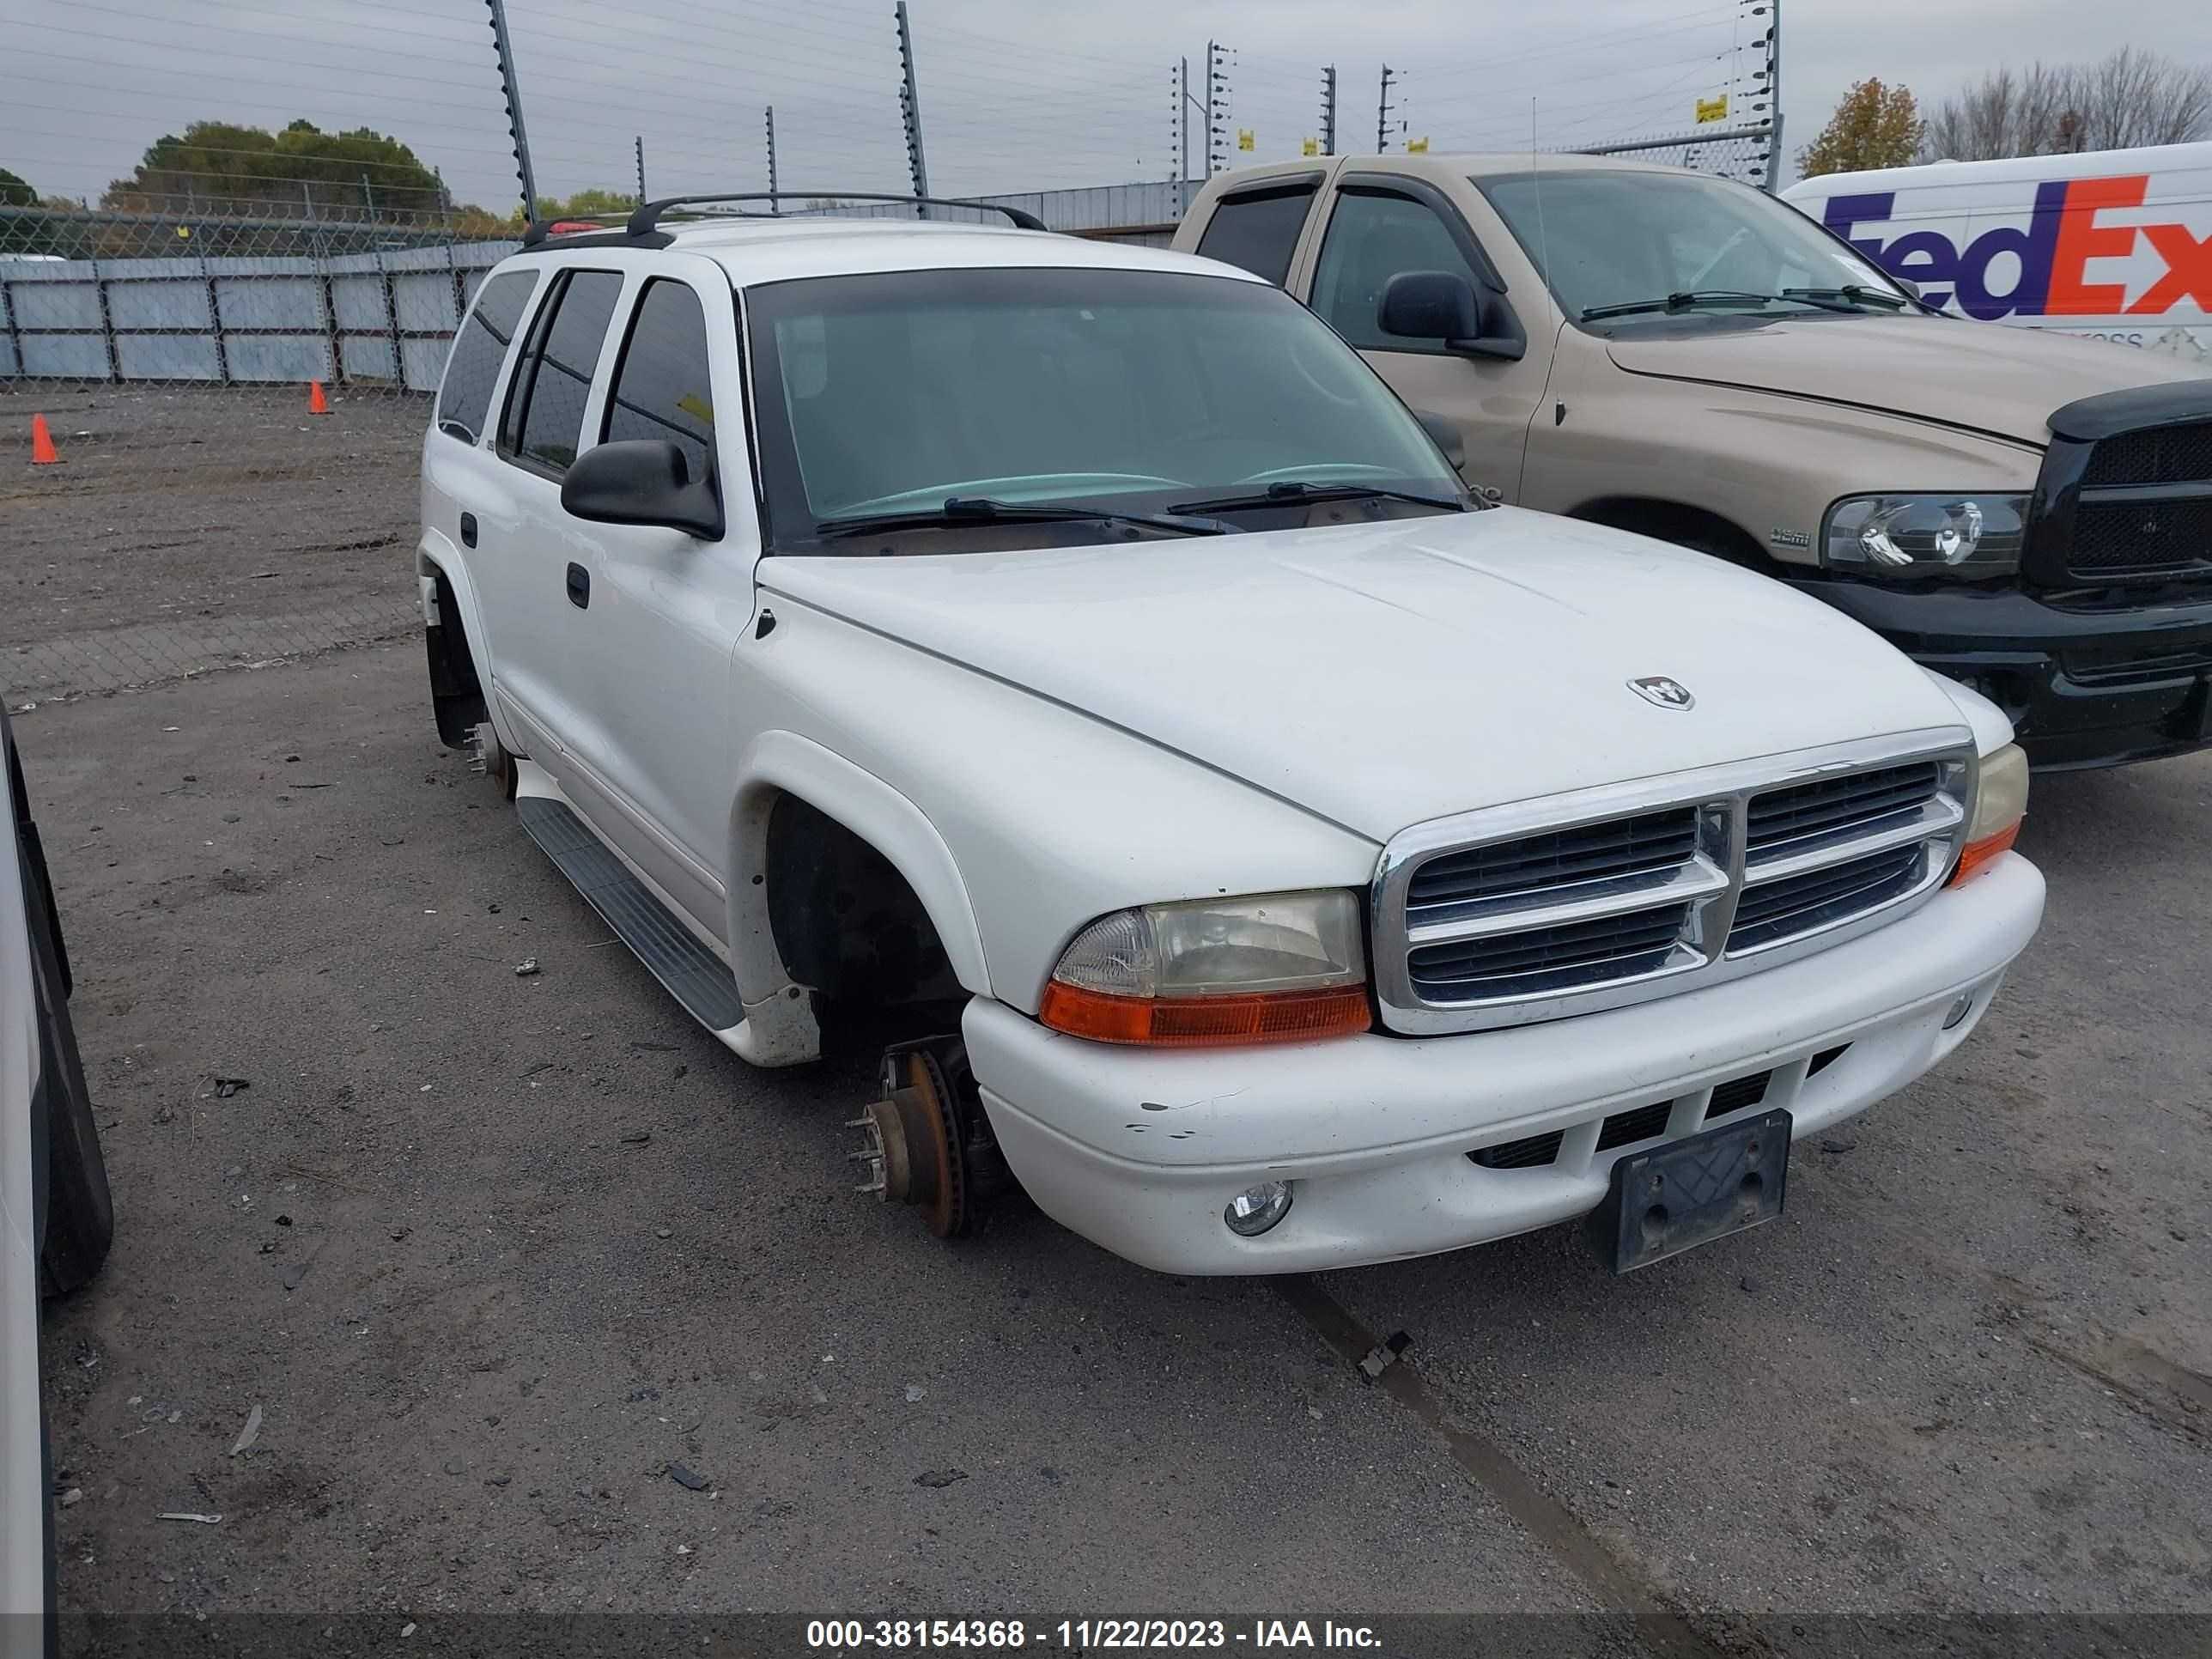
pixel 455 691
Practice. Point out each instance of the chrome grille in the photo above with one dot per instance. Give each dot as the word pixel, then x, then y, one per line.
pixel 1614 895
pixel 1807 813
pixel 1797 904
pixel 1591 852
pixel 1546 959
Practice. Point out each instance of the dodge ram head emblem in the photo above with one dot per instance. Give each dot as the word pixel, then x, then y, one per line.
pixel 1668 694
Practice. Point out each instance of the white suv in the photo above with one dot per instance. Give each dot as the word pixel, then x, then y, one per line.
pixel 1073 659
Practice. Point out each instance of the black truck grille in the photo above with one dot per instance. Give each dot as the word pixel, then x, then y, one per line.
pixel 2158 454
pixel 2145 508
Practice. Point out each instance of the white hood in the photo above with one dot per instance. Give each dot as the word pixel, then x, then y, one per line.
pixel 1380 675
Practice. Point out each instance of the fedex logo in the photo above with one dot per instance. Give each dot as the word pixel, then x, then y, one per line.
pixel 2048 274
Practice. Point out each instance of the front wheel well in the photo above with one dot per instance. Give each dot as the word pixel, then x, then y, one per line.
pixel 1685 526
pixel 850 927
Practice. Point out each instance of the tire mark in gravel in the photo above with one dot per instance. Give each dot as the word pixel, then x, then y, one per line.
pixel 1543 1517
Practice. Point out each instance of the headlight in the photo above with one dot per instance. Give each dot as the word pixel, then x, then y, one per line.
pixel 1969 537
pixel 2000 803
pixel 1279 968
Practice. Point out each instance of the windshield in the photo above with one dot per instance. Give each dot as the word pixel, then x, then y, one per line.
pixel 1148 397
pixel 1619 237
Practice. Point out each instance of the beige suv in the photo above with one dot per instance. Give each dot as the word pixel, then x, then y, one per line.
pixel 2031 514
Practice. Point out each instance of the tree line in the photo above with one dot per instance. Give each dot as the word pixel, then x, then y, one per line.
pixel 2129 98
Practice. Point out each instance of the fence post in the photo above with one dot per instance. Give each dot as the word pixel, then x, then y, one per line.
pixel 214 322
pixel 107 324
pixel 1215 81
pixel 1328 111
pixel 1774 95
pixel 910 105
pixel 774 208
pixel 505 50
pixel 1383 112
pixel 392 322
pixel 641 168
pixel 14 327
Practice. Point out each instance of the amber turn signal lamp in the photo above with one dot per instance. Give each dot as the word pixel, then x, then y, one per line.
pixel 1979 854
pixel 1202 1021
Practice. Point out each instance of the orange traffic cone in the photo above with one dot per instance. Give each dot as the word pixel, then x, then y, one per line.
pixel 42 443
pixel 317 404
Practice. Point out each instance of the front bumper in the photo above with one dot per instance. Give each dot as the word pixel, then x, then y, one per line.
pixel 1140 1150
pixel 2082 687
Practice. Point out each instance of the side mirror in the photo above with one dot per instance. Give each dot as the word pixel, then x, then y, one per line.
pixel 1449 439
pixel 645 481
pixel 1907 284
pixel 1442 305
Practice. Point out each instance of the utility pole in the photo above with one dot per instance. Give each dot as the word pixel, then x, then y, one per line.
pixel 1217 85
pixel 506 50
pixel 910 107
pixel 641 169
pixel 1383 111
pixel 1328 111
pixel 773 207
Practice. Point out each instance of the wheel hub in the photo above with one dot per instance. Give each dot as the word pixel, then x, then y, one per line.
pixel 925 1143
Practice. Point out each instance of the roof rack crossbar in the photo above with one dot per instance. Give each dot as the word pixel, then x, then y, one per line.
pixel 647 217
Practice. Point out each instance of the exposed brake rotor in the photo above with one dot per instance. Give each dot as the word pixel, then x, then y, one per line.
pixel 489 757
pixel 926 1142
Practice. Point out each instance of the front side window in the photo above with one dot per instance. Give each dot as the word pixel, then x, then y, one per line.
pixel 544 420
pixel 1372 238
pixel 1129 392
pixel 465 397
pixel 661 388
pixel 1257 232
pixel 1637 244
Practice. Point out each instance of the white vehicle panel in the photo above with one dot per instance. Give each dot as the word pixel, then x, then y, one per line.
pixel 1382 675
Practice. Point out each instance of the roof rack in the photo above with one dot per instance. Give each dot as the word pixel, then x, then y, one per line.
pixel 644 224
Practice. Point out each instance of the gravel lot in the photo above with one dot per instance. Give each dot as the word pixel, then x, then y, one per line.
pixel 496 1257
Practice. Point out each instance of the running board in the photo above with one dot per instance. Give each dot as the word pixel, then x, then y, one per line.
pixel 694 974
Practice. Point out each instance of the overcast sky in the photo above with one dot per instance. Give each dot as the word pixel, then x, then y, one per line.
pixel 1014 94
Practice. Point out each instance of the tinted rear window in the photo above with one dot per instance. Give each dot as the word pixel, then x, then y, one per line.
pixel 1258 230
pixel 465 397
pixel 545 407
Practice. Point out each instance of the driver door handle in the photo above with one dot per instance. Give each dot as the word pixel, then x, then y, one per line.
pixel 579 586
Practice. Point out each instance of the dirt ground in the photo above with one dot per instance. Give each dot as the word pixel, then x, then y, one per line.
pixel 184 504
pixel 550 1305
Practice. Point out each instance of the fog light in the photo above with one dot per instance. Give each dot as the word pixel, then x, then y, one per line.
pixel 1256 1209
pixel 1959 1011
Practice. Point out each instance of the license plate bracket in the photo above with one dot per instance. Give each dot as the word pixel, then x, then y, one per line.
pixel 1672 1197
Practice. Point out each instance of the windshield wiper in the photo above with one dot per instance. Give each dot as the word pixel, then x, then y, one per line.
pixel 1290 492
pixel 1698 299
pixel 982 509
pixel 1852 293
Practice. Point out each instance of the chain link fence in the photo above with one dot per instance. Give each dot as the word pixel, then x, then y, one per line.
pixel 214 368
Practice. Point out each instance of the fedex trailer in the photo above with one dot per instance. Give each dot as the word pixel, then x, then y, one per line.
pixel 2113 245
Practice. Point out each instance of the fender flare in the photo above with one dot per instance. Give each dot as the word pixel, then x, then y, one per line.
pixel 778 762
pixel 436 554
